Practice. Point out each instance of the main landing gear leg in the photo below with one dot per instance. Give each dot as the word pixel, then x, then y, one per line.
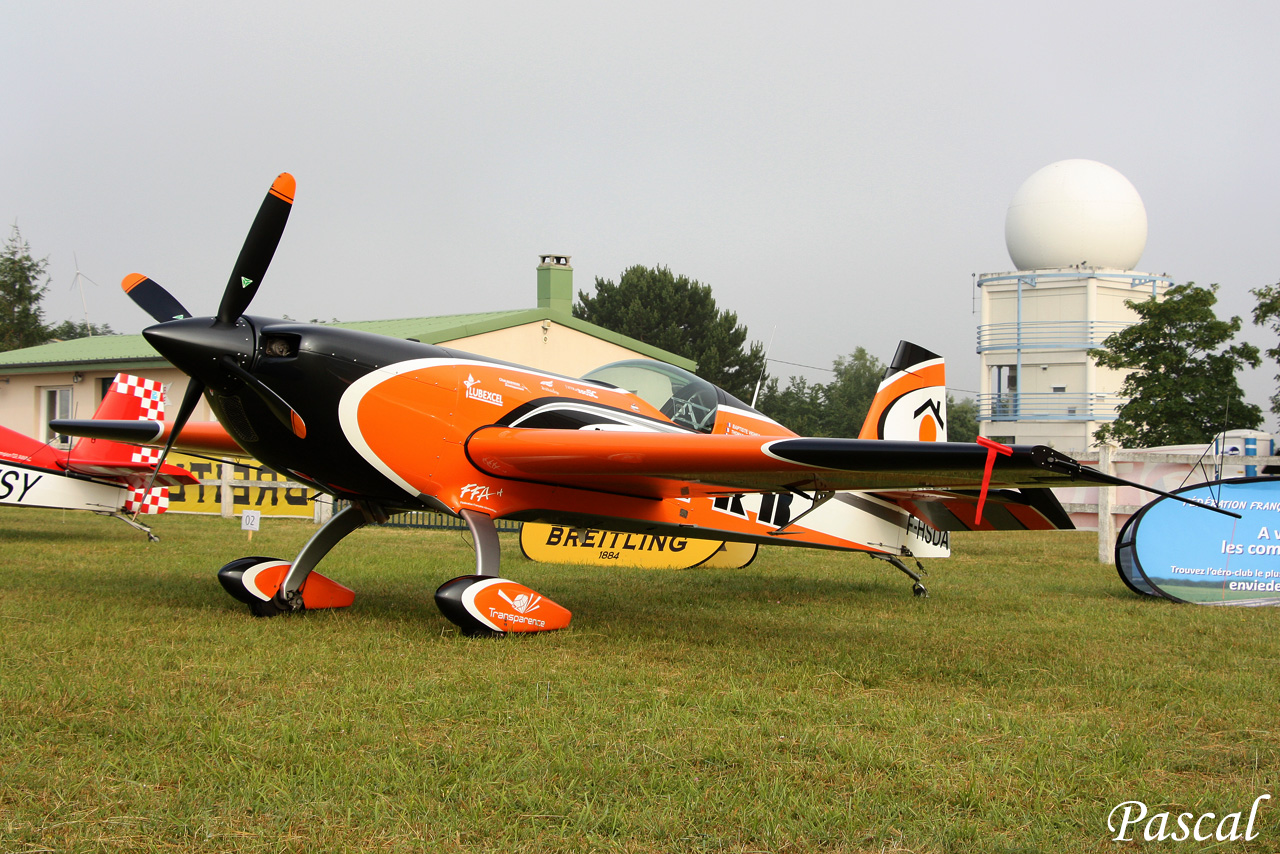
pixel 270 586
pixel 346 520
pixel 918 588
pixel 485 604
pixel 485 536
pixel 134 523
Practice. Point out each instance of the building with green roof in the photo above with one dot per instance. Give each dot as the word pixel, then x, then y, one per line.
pixel 67 379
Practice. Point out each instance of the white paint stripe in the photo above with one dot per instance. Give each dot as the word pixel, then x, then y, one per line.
pixel 917 368
pixel 349 405
pixel 748 413
pixel 469 600
pixel 250 577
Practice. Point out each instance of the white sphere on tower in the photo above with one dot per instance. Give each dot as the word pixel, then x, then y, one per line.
pixel 1076 212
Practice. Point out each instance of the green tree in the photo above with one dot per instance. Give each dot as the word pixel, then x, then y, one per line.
pixel 1182 388
pixel 847 398
pixel 69 329
pixel 840 407
pixel 962 420
pixel 1267 313
pixel 678 314
pixel 837 408
pixel 797 407
pixel 21 289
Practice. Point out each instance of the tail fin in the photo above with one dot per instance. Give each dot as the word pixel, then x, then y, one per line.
pixel 911 402
pixel 133 399
pixel 129 398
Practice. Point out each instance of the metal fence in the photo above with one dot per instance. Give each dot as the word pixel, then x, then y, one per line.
pixel 435 519
pixel 1106 508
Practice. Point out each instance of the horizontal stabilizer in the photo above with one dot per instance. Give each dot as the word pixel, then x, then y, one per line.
pixel 758 463
pixel 199 436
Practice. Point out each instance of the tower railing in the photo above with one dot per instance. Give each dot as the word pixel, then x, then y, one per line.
pixel 1048 406
pixel 1046 335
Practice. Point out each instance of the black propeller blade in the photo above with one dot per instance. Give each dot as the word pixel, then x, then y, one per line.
pixel 153 299
pixel 259 246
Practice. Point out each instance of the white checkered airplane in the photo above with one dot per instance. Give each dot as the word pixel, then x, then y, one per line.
pixel 94 474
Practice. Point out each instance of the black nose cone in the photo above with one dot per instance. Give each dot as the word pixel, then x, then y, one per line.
pixel 195 344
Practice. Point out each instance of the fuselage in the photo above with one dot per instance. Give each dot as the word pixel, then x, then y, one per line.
pixel 387 421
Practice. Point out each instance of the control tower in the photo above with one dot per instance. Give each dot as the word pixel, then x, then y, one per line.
pixel 1075 231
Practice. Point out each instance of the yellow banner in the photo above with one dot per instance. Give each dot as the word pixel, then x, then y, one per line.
pixel 595 547
pixel 251 489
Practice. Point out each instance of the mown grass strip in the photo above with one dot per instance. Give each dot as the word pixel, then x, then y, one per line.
pixel 806 703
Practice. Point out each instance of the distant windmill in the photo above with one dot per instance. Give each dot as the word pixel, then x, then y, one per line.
pixel 76 281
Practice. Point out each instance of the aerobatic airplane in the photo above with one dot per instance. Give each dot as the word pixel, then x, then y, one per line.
pixel 636 447
pixel 94 474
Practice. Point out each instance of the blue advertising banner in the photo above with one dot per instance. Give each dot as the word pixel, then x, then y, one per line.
pixel 1184 553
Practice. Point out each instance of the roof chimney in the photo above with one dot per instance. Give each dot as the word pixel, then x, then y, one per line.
pixel 555 283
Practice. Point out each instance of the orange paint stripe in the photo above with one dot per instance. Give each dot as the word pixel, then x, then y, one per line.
pixel 284 187
pixel 201 436
pixel 565 453
pixel 131 281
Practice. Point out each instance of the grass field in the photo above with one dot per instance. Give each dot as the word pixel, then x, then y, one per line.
pixel 806 703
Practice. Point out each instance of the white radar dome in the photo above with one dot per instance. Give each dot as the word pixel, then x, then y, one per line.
pixel 1076 212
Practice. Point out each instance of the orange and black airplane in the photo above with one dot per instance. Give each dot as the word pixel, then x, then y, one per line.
pixel 635 448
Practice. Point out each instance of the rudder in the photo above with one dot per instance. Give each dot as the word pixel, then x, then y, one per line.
pixel 129 398
pixel 911 401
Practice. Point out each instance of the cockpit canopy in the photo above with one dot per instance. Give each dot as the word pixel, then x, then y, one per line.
pixel 687 400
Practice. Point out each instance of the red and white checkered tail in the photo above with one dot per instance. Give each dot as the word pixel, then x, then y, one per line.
pixel 128 398
pixel 155 500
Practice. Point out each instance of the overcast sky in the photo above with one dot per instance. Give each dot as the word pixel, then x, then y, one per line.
pixel 836 170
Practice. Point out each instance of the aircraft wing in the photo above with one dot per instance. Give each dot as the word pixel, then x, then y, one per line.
pixel 639 463
pixel 203 437
pixel 135 474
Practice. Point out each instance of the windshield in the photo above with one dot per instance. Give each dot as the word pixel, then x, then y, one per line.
pixel 677 394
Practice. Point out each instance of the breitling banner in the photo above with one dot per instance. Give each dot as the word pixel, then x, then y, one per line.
pixel 1189 554
pixel 594 547
pixel 248 486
